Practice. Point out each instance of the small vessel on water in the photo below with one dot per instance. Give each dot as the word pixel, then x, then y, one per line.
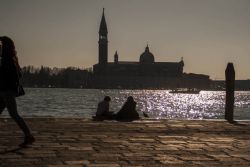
pixel 186 90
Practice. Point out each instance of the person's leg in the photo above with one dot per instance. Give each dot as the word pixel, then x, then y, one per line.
pixel 10 102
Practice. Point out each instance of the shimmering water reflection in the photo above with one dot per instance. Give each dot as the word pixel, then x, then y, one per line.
pixel 157 103
pixel 162 104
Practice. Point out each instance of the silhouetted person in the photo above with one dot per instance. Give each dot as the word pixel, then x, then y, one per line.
pixel 103 109
pixel 10 74
pixel 128 111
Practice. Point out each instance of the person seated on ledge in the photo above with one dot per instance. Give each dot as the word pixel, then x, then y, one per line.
pixel 103 110
pixel 128 111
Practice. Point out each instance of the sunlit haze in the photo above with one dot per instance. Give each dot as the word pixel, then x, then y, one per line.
pixel 60 33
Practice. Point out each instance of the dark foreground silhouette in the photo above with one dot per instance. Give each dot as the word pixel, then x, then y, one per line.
pixel 128 111
pixel 10 74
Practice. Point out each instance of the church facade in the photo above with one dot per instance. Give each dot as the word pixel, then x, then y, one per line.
pixel 146 73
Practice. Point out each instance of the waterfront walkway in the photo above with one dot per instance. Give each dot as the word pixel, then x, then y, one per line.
pixel 81 142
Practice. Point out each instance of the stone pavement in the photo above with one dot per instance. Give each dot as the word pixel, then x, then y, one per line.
pixel 80 143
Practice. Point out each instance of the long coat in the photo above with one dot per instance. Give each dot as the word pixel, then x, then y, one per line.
pixel 128 112
pixel 9 75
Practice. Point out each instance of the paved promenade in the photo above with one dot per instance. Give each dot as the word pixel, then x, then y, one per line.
pixel 83 143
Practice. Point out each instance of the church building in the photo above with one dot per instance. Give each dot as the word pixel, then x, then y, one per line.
pixel 146 66
pixel 146 73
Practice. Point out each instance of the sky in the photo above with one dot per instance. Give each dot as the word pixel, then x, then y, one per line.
pixel 60 33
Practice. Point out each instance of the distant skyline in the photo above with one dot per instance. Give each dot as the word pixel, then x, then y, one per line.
pixel 60 33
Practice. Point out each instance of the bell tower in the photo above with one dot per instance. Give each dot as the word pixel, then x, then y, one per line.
pixel 103 41
pixel 116 58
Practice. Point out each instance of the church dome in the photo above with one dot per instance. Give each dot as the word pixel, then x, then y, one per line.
pixel 147 56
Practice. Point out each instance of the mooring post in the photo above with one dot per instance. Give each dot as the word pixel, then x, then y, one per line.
pixel 230 79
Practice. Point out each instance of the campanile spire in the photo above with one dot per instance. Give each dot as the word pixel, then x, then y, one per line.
pixel 103 41
pixel 103 26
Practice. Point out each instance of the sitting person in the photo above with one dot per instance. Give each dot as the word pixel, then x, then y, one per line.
pixel 103 110
pixel 128 111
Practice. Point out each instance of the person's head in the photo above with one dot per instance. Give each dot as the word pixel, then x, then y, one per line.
pixel 107 98
pixel 8 47
pixel 130 99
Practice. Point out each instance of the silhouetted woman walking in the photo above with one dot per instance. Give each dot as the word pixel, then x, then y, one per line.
pixel 10 74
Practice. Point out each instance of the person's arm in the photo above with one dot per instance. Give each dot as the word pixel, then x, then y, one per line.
pixel 17 66
pixel 107 108
pixel 11 71
pixel 99 110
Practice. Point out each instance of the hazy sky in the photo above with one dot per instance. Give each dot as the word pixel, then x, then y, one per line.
pixel 61 33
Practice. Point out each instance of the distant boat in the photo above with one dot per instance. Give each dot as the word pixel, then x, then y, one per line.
pixel 186 90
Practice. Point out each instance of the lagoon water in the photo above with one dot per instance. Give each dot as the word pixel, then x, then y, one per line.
pixel 53 102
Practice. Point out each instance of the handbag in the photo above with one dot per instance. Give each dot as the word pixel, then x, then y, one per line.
pixel 20 91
